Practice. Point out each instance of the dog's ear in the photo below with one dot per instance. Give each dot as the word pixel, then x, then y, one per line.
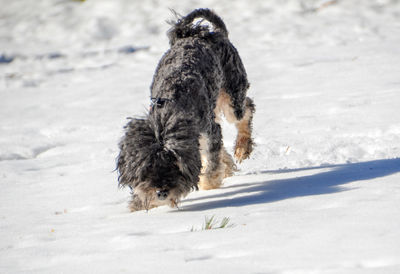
pixel 135 152
pixel 181 136
pixel 189 166
pixel 160 134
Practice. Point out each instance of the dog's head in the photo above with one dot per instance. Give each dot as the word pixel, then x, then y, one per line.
pixel 159 158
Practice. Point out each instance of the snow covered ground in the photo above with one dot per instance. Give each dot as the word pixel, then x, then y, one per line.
pixel 320 194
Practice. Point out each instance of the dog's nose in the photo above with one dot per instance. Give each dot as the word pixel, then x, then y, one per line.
pixel 162 194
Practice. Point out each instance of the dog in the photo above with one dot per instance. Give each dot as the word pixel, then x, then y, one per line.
pixel 177 147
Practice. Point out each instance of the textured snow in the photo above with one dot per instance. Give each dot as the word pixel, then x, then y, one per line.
pixel 320 194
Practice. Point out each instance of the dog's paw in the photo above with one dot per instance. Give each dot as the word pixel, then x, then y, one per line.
pixel 212 181
pixel 136 204
pixel 243 148
pixel 229 165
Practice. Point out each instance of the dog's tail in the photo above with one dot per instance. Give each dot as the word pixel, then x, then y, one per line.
pixel 184 26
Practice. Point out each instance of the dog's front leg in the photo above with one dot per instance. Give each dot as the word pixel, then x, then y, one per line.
pixel 137 204
pixel 213 166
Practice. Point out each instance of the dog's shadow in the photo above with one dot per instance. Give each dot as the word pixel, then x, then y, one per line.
pixel 330 181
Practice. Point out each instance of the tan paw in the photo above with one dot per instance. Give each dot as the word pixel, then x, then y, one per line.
pixel 243 148
pixel 210 182
pixel 137 204
pixel 228 163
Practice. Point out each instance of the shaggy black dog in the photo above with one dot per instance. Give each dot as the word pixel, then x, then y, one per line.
pixel 178 147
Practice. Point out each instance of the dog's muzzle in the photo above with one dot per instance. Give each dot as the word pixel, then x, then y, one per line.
pixel 162 194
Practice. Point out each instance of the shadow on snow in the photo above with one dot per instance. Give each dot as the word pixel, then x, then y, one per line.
pixel 316 184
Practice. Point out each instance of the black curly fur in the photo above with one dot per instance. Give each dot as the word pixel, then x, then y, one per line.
pixel 185 28
pixel 162 149
pixel 153 146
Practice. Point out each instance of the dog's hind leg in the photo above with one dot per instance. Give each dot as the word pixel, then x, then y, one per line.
pixel 244 142
pixel 237 108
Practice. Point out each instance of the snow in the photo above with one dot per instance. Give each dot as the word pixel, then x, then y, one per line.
pixel 319 195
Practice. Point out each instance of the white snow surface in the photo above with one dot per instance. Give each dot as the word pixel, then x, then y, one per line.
pixel 320 194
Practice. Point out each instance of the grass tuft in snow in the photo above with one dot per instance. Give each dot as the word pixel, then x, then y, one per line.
pixel 212 223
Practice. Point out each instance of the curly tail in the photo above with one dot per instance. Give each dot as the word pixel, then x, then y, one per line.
pixel 184 27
